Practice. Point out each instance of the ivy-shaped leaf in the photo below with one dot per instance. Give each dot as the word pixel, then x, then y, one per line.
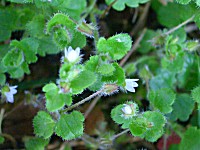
pixel 162 99
pixel 54 99
pixel 119 5
pixel 117 46
pixel 157 122
pixel 70 126
pixel 182 107
pixel 119 118
pixel 149 126
pixel 190 139
pixel 43 125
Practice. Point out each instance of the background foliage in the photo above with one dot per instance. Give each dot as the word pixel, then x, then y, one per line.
pixel 155 41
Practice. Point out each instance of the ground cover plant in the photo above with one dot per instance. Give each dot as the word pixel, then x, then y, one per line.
pixel 100 74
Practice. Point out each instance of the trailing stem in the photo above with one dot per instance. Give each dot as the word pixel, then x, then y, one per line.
pixel 82 101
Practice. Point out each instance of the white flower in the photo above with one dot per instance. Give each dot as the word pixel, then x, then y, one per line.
pixel 8 92
pixel 72 55
pixel 131 84
pixel 127 110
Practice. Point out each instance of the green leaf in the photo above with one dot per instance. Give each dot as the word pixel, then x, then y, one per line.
pixel 14 58
pixel 70 126
pixel 157 122
pixel 8 19
pixel 162 99
pixel 93 63
pixel 43 125
pixel 36 143
pixel 60 19
pixel 2 79
pixel 36 26
pixel 189 76
pixel 165 79
pixel 84 80
pixel 54 99
pixel 106 69
pixel 117 46
pixel 196 94
pixel 182 107
pixel 2 139
pixel 146 44
pixel 138 126
pixel 47 46
pixel 130 69
pixel 175 13
pixel 119 5
pixel 118 116
pixel 29 47
pixel 183 1
pixel 73 8
pixel 21 1
pixel 190 140
pixel 117 77
pixel 70 36
pixel 79 40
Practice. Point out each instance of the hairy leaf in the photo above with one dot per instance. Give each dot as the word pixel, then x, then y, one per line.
pixel 70 126
pixel 43 125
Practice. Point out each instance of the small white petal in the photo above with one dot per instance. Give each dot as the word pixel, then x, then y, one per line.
pixel 9 97
pixel 130 84
pixel 127 109
pixel 72 55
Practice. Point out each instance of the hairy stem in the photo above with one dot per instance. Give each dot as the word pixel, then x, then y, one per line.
pixel 82 101
pixel 119 134
pixel 179 26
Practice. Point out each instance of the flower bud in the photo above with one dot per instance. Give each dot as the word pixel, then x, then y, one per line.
pixel 87 29
pixel 109 89
pixel 129 110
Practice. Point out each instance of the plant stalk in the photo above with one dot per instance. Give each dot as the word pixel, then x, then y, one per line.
pixel 82 101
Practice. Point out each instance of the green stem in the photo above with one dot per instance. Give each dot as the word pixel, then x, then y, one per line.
pixel 119 134
pixel 180 25
pixel 82 102
pixel 89 9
